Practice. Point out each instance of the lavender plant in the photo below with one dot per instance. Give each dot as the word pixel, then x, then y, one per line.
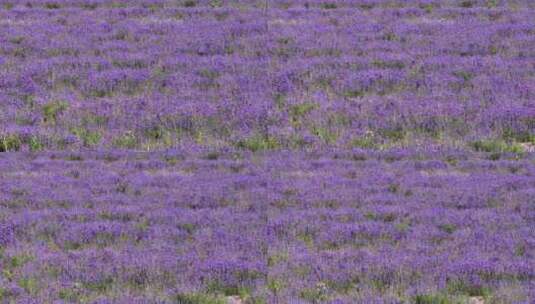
pixel 251 151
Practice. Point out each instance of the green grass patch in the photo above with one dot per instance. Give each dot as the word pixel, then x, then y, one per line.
pixel 99 286
pixel 259 143
pixel 87 137
pixel 460 287
pixel 18 261
pixel 10 143
pixel 448 228
pixel 364 142
pixel 431 299
pixel 127 140
pixel 393 134
pixel 35 144
pixel 69 294
pixel 518 136
pixel 217 287
pixel 299 111
pixel 496 146
pixel 198 298
pixel 190 3
pixel 275 286
pixel 381 64
pixel 326 135
pixel 29 284
pixel 52 110
pixel 52 5
pixel 329 5
pixel 354 93
pixel 314 295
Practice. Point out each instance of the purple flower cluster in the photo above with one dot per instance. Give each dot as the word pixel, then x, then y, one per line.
pixel 339 227
pixel 281 151
pixel 264 75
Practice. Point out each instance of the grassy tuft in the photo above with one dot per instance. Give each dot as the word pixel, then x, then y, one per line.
pixel 496 146
pixel 87 137
pixel 190 3
pixel 10 143
pixel 127 140
pixel 259 143
pixel 52 110
pixel 431 299
pixel 198 298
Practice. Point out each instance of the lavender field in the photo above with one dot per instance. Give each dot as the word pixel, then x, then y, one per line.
pixel 267 151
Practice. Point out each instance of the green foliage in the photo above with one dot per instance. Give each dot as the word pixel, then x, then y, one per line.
pixel 393 134
pixel 460 287
pixel 280 100
pixel 448 228
pixel 259 143
pixel 52 5
pixel 88 138
pixel 75 157
pixel 35 144
pixel 10 143
pixel 70 295
pixel 187 227
pixel 325 134
pixel 354 93
pixel 277 258
pixel 403 226
pixel 520 250
pixel 496 146
pixel 314 295
pixel 90 6
pixel 364 142
pixel 216 3
pixel 300 110
pixel 464 75
pixel 307 237
pixel 100 286
pixel 30 285
pixel 393 188
pixel 19 52
pixel 510 134
pixel 212 155
pixel 275 286
pixel 127 140
pixel 97 120
pixel 329 5
pixel 190 3
pixel 19 260
pixel 198 298
pixel 70 245
pixel 155 132
pixel 218 287
pixel 431 299
pixel 390 36
pixel 52 110
pixel 209 74
pixel 428 8
pixel 16 39
pixel 492 3
pixel 209 78
pixel 381 64
pixel 467 3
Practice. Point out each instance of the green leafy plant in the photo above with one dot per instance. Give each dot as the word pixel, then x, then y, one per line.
pixel 52 110
pixel 10 143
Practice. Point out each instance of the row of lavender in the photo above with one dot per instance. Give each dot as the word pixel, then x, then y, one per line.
pixel 396 227
pixel 397 204
pixel 263 75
